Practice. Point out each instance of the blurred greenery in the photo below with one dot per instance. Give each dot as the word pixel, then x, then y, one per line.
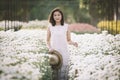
pixel 87 11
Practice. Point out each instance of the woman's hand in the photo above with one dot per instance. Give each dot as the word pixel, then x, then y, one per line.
pixel 51 50
pixel 75 44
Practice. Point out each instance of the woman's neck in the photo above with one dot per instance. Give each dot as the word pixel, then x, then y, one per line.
pixel 57 23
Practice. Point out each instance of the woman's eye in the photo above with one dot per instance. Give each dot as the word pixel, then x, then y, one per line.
pixel 57 15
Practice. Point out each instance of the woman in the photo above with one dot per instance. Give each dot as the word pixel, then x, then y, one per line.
pixel 58 36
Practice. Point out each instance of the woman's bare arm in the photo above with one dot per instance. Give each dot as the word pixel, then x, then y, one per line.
pixel 48 38
pixel 69 39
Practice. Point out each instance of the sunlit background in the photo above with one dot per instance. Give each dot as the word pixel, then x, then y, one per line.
pixel 103 14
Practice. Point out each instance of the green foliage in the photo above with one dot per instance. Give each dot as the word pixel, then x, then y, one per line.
pixel 48 72
pixel 45 7
pixel 84 16
pixel 40 9
pixel 1 29
pixel 16 28
pixel 87 11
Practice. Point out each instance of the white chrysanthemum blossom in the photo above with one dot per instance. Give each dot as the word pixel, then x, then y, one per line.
pixel 23 55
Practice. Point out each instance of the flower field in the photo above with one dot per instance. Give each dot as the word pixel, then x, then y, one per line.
pixel 96 58
pixel 23 56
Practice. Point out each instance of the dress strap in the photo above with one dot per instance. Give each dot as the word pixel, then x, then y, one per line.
pixel 66 27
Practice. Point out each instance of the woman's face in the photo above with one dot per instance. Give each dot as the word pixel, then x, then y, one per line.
pixel 57 16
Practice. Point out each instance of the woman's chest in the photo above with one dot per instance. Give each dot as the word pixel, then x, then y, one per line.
pixel 58 31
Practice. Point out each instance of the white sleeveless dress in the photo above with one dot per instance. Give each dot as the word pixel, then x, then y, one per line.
pixel 59 43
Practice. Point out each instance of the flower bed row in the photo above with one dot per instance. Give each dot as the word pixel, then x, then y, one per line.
pixel 17 25
pixel 97 58
pixel 23 56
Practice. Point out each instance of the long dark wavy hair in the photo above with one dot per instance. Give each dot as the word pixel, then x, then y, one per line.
pixel 51 19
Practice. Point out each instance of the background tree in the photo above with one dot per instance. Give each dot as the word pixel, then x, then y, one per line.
pixel 102 9
pixel 87 11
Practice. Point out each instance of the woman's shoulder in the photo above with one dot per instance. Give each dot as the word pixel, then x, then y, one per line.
pixel 65 24
pixel 49 25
